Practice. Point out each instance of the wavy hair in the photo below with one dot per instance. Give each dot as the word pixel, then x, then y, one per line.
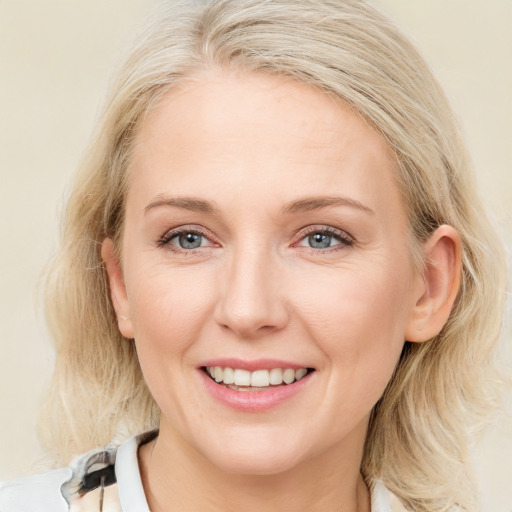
pixel 417 442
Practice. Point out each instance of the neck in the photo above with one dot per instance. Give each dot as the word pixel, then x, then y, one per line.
pixel 177 478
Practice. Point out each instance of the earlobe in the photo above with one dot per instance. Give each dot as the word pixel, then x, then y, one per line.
pixel 440 282
pixel 117 288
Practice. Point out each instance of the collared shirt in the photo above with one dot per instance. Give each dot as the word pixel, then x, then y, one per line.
pixel 107 480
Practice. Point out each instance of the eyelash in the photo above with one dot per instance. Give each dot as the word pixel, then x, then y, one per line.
pixel 165 240
pixel 344 239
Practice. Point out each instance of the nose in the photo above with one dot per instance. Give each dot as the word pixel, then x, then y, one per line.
pixel 252 300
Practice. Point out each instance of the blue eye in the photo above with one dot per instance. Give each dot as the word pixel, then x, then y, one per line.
pixel 325 238
pixel 188 240
pixel 321 241
pixel 184 240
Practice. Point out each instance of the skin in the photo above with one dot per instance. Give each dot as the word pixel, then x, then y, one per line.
pixel 255 148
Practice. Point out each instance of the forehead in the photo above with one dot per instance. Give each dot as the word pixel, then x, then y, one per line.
pixel 256 133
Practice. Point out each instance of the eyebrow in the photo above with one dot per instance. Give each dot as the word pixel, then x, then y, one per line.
pixel 317 203
pixel 302 205
pixel 187 203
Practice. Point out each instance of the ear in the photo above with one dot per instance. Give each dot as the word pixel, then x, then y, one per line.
pixel 117 288
pixel 439 284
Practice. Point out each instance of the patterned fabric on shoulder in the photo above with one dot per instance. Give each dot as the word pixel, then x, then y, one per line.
pixel 89 484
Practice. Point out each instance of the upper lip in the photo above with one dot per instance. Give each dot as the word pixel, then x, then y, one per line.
pixel 252 365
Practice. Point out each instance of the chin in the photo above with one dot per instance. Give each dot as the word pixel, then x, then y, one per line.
pixel 261 464
pixel 252 456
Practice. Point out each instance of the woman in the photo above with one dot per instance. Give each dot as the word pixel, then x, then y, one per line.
pixel 275 255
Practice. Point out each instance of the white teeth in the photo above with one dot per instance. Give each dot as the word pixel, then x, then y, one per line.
pixel 242 378
pixel 256 379
pixel 276 376
pixel 260 378
pixel 288 376
pixel 300 373
pixel 229 376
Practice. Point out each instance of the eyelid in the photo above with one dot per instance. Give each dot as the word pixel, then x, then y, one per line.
pixel 165 239
pixel 345 238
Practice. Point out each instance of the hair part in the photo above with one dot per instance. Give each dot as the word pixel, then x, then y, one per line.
pixel 417 442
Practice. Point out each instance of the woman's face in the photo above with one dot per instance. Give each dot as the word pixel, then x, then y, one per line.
pixel 264 232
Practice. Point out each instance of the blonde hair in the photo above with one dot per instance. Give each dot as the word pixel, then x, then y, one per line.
pixel 417 442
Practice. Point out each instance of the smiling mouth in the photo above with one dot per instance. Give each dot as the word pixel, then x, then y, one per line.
pixel 258 380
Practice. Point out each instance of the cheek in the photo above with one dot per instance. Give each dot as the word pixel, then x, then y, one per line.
pixel 358 318
pixel 167 309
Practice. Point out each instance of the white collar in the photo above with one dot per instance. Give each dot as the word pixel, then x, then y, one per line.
pixel 129 483
pixel 131 491
pixel 380 498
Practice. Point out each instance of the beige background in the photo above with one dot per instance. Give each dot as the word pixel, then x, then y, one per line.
pixel 55 60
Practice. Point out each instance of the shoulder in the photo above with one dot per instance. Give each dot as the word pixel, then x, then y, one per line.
pixel 38 492
pixel 62 490
pixel 101 479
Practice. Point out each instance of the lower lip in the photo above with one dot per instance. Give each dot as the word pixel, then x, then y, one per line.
pixel 254 401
